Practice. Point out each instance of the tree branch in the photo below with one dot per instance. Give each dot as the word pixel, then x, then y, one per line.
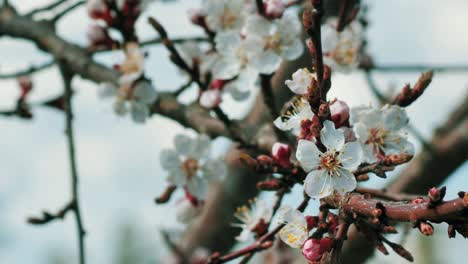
pixel 67 79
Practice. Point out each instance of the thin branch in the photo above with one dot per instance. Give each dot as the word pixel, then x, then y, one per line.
pixel 387 195
pixel 45 8
pixel 67 79
pixel 419 68
pixel 29 71
pixel 67 10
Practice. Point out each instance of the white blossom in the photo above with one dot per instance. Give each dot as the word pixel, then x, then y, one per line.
pixel 259 212
pixel 295 232
pixel 190 165
pixel 301 81
pixel 224 15
pixel 294 118
pixel 271 41
pixel 330 171
pixel 381 131
pixel 234 65
pixel 341 49
pixel 135 98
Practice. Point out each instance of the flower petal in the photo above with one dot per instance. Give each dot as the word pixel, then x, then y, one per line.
pixel 332 138
pixel 308 155
pixel 318 184
pixel 169 159
pixel 351 155
pixel 183 144
pixel 197 186
pixel 293 234
pixel 344 181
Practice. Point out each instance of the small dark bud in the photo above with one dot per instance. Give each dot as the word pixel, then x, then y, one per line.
pixel 265 161
pixel 434 195
pixel 390 230
pixel 248 161
pixel 312 222
pixel 451 231
pixel 426 228
pixel 269 185
pixel 362 177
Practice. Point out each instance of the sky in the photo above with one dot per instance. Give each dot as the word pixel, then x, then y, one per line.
pixel 118 160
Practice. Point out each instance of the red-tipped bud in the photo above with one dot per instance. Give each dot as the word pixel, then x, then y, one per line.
pixel 218 84
pixel 418 200
pixel 434 195
pixel 197 17
pixel 313 249
pixel 274 8
pixel 312 222
pixel 281 154
pixel 426 228
pixel 339 111
pixel 265 161
pixel 270 185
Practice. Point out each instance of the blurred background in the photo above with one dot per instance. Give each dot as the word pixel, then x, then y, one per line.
pixel 119 160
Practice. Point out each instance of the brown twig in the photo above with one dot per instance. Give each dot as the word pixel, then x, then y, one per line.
pixel 384 194
pixel 32 69
pixel 67 79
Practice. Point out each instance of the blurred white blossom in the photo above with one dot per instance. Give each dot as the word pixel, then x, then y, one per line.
pixel 259 213
pixel 190 165
pixel 341 49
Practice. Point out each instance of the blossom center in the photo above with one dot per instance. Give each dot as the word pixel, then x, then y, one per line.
pixel 228 19
pixel 376 136
pixel 330 162
pixel 272 41
pixel 190 167
pixel 344 53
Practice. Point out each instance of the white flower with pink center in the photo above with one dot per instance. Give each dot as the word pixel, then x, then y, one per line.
pixel 190 165
pixel 295 117
pixel 381 131
pixel 329 171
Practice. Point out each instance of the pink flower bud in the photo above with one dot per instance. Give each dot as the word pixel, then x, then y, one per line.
pixel 426 228
pixel 210 98
pixel 97 35
pixel 339 111
pixel 218 84
pixel 312 222
pixel 197 17
pixel 281 154
pixel 313 249
pixel 274 8
pixel 96 8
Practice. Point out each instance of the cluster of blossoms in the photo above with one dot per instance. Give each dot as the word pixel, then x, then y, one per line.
pixel 191 167
pixel 134 94
pixel 247 44
pixel 330 155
